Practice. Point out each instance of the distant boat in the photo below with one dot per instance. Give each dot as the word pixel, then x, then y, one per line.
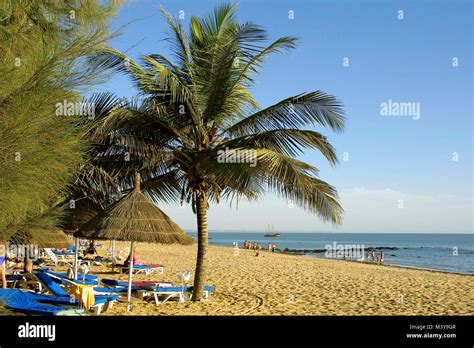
pixel 271 233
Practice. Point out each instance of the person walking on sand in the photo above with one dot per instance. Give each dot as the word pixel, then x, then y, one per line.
pixel 269 247
pixel 381 256
pixel 254 245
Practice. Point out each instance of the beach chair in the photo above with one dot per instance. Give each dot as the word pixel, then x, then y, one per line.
pixel 147 269
pixel 120 288
pixel 87 279
pixel 102 303
pixel 22 281
pixel 135 284
pixel 28 303
pixel 64 253
pixel 57 260
pixel 160 291
pixel 169 292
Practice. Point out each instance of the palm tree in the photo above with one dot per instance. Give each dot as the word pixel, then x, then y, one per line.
pixel 196 133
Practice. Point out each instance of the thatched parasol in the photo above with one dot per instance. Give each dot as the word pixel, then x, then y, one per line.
pixel 43 238
pixel 134 218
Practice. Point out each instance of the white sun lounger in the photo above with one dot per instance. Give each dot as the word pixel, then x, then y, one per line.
pixel 168 292
pixel 54 258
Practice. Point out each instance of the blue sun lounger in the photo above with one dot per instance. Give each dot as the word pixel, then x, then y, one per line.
pixel 101 302
pixel 115 287
pixel 27 302
pixel 135 285
pixel 147 269
pixel 89 279
pixel 167 290
pixel 65 253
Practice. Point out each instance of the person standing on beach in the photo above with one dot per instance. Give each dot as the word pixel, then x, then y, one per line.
pixel 3 271
pixel 254 245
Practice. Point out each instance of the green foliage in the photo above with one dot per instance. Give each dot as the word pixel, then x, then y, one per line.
pixel 198 105
pixel 43 50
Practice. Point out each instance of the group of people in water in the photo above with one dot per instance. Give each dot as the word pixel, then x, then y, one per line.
pixel 372 256
pixel 358 254
pixel 248 245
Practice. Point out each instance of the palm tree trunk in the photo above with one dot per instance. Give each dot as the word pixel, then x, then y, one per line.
pixel 201 262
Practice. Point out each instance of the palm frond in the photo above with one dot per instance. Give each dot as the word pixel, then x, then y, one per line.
pixel 314 108
pixel 290 142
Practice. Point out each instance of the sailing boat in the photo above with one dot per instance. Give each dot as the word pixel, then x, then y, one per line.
pixel 271 233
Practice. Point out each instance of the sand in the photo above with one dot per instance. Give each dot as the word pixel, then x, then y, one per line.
pixel 278 284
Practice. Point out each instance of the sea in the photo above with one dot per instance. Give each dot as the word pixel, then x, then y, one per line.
pixel 443 252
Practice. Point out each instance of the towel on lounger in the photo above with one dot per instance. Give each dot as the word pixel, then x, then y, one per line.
pixel 83 293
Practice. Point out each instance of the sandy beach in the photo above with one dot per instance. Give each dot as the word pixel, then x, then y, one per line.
pixel 278 284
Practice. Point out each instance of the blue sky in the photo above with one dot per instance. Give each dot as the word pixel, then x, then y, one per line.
pixel 391 159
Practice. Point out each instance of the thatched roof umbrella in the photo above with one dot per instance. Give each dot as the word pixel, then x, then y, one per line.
pixel 43 238
pixel 134 218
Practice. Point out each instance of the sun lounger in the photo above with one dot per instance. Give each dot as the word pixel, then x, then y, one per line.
pixel 48 281
pixel 57 260
pixel 23 280
pixel 65 253
pixel 13 280
pixel 136 284
pixel 169 292
pixel 27 302
pixel 117 291
pixel 147 269
pixel 115 287
pixel 89 278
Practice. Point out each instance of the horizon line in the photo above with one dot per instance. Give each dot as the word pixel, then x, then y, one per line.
pixel 326 232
